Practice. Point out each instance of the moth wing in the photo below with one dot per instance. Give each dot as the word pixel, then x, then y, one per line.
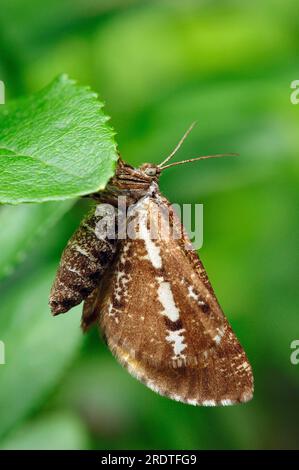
pixel 90 312
pixel 162 320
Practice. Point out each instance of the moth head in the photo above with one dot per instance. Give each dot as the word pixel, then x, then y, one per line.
pixel 150 170
pixel 141 178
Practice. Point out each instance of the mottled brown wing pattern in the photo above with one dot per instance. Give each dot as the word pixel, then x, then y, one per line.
pixel 83 262
pixel 161 318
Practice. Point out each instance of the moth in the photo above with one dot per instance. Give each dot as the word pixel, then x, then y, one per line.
pixel 151 296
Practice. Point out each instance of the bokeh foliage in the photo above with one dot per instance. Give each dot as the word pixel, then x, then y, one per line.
pixel 159 65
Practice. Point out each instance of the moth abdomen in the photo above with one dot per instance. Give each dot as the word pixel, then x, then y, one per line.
pixel 82 265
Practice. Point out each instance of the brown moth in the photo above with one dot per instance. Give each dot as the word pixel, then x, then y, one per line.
pixel 151 296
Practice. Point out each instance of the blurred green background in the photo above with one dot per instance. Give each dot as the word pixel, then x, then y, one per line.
pixel 160 65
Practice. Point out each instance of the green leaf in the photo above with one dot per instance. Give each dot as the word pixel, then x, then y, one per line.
pixel 24 224
pixel 55 144
pixel 53 432
pixel 38 347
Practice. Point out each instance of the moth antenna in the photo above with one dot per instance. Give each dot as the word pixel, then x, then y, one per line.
pixel 204 157
pixel 178 145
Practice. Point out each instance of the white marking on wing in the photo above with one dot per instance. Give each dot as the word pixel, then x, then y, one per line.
pixel 112 312
pixel 192 402
pixel 124 252
pixel 194 296
pixel 153 386
pixel 83 252
pixel 166 298
pixel 73 270
pixel 176 397
pixel 209 403
pixel 246 396
pixel 122 279
pixel 217 338
pixel 226 402
pixel 153 250
pixel 176 338
pixel 245 365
